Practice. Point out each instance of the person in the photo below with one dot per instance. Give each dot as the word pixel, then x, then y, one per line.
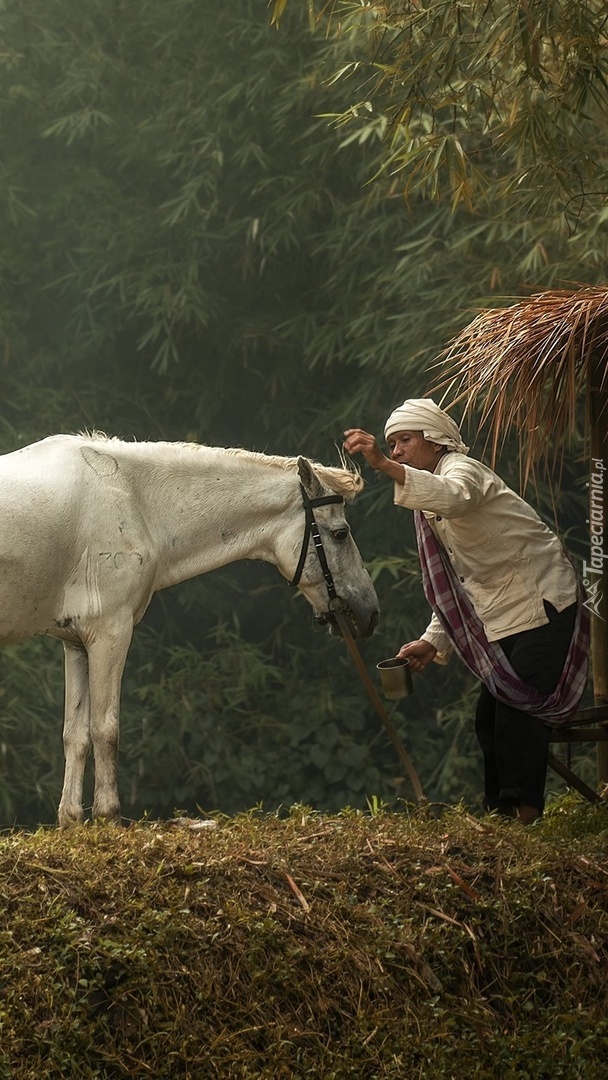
pixel 504 595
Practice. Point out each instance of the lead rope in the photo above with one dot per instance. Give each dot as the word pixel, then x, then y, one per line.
pixel 379 707
pixel 312 529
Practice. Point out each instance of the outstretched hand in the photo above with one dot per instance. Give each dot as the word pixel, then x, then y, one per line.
pixel 357 441
pixel 419 653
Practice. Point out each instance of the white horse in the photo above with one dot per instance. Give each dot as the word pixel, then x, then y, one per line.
pixel 91 528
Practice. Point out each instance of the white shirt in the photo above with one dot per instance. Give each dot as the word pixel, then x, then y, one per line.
pixel 507 560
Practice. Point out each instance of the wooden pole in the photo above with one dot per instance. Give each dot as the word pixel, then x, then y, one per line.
pixel 379 707
pixel 595 567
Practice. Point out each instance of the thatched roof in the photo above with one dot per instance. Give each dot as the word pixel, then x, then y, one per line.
pixel 527 365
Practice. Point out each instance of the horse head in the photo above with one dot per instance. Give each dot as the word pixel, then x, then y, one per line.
pixel 330 571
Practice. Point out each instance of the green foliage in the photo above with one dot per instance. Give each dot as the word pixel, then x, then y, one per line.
pixel 497 104
pixel 223 729
pixel 31 755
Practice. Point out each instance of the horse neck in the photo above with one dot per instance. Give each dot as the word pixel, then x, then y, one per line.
pixel 215 511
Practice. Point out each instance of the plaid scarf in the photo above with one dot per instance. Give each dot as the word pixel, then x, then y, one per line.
pixel 486 659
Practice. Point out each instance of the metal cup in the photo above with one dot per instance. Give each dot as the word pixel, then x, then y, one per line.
pixel 395 677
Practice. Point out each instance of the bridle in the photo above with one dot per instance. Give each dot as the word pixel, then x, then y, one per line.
pixel 312 529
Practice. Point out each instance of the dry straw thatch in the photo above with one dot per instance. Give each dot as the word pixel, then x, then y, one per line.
pixel 361 946
pixel 528 366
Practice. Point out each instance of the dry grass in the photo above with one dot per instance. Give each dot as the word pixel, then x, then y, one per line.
pixel 369 946
pixel 528 367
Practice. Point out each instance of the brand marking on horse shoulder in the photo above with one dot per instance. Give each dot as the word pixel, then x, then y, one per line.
pixel 102 464
pixel 118 558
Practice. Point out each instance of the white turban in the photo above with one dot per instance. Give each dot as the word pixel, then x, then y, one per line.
pixel 422 414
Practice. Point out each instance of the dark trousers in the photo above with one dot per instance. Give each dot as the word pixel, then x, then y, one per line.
pixel 515 745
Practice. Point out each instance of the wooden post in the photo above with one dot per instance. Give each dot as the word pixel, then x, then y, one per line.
pixel 597 562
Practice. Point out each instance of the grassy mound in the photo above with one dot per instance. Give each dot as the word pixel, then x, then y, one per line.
pixel 372 946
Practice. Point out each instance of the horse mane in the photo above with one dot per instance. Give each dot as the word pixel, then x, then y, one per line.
pixel 345 480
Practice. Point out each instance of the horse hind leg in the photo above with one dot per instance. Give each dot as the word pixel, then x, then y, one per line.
pixel 107 657
pixel 76 733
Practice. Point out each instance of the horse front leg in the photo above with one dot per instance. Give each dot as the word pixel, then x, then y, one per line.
pixel 107 657
pixel 76 733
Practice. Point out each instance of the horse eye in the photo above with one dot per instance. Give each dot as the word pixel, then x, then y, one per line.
pixel 340 534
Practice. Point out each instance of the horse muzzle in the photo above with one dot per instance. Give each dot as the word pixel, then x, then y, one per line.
pixel 360 625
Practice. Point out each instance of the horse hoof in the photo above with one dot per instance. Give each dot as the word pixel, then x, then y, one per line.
pixel 69 819
pixel 110 815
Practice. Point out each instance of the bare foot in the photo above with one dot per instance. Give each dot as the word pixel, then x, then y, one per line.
pixel 527 814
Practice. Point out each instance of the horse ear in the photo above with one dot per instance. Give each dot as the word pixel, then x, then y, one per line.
pixel 309 479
